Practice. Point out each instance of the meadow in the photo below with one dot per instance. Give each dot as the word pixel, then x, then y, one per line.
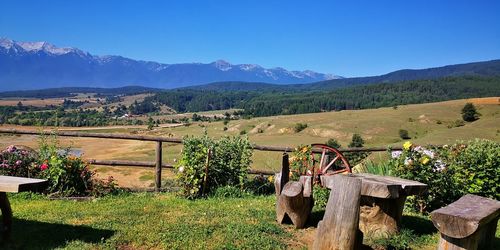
pixel 430 123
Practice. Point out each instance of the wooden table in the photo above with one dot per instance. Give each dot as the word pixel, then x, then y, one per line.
pixel 10 184
pixel 382 202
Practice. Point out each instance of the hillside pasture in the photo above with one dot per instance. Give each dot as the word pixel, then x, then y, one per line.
pixel 431 123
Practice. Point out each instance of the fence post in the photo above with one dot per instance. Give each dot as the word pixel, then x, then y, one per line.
pixel 158 167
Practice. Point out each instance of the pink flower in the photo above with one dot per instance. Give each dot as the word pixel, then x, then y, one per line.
pixel 44 166
pixel 18 162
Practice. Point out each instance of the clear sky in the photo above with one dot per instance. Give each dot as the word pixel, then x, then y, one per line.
pixel 348 38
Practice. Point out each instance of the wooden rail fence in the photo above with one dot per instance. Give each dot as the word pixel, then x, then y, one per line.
pixel 158 164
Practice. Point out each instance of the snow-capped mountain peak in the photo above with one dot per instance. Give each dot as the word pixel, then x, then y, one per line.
pixel 29 64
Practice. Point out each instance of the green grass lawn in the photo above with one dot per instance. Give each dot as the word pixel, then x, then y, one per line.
pixel 164 221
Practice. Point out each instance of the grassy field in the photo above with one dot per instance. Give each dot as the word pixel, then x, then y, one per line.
pixel 431 123
pixel 163 221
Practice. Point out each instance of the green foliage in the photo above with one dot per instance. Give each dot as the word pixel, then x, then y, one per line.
pixel 355 158
pixel 260 185
pixel 356 141
pixel 243 132
pixel 427 166
pixel 469 112
pixel 20 162
pixel 321 195
pixel 477 167
pixel 229 192
pixel 228 164
pixel 333 143
pixel 400 241
pixel 68 175
pixel 403 134
pixel 299 127
pixel 456 124
pixel 300 161
pixel 381 168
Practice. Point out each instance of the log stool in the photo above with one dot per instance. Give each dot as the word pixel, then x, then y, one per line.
pixel 293 198
pixel 469 223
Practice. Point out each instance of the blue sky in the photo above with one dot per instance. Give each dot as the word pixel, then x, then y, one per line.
pixel 349 38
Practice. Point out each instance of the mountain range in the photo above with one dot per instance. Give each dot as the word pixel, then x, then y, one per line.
pixel 36 65
pixel 41 65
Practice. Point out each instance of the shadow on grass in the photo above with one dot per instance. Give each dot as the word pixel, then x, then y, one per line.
pixel 27 234
pixel 419 225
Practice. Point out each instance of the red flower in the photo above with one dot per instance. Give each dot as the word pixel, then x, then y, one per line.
pixel 44 166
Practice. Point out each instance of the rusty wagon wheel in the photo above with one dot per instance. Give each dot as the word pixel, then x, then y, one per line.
pixel 327 160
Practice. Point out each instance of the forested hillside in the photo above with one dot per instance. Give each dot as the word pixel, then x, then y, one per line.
pixel 277 102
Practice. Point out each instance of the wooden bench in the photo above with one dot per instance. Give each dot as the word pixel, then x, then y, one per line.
pixel 382 201
pixel 10 184
pixel 468 223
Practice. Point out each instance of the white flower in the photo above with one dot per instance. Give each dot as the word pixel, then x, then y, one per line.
pixel 181 169
pixel 396 154
pixel 429 153
pixel 419 149
pixel 439 166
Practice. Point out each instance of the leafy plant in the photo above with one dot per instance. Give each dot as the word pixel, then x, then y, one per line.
pixel 300 161
pixel 260 185
pixel 228 164
pixel 403 134
pixel 321 195
pixel 469 112
pixel 68 175
pixel 477 167
pixel 15 161
pixel 333 143
pixel 380 168
pixel 299 127
pixel 427 166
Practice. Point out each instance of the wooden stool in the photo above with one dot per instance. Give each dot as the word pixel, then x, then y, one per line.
pixel 469 223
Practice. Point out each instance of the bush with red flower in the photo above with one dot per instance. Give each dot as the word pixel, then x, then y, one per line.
pixel 68 175
pixel 18 161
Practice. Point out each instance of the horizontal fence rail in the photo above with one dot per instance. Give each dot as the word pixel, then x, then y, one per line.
pixel 158 165
pixel 169 139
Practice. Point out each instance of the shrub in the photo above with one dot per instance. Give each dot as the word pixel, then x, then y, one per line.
pixel 477 167
pixel 321 195
pixel 456 124
pixel 403 134
pixel 356 141
pixel 228 165
pixel 69 175
pixel 469 112
pixel 427 166
pixel 333 143
pixel 299 127
pixel 15 161
pixel 260 185
pixel 300 161
pixel 243 132
pixel 356 157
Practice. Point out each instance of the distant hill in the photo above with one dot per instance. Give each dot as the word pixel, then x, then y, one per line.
pixel 480 69
pixel 72 91
pixel 36 65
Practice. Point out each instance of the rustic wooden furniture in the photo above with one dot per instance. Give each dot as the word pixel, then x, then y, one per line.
pixel 339 227
pixel 468 223
pixel 10 184
pixel 382 201
pixel 294 199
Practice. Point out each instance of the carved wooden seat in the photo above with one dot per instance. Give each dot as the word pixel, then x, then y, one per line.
pixel 468 223
pixel 293 198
